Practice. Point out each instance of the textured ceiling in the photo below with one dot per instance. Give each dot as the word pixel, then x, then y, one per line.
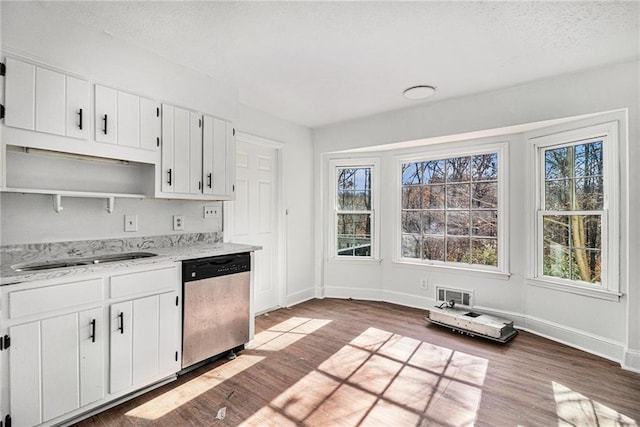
pixel 315 63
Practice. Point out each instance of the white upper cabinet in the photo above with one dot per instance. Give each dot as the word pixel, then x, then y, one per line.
pixel 49 103
pixel 150 126
pixel 218 161
pixel 44 100
pixel 195 154
pixel 20 94
pixel 181 163
pixel 77 108
pixel 198 156
pixel 167 167
pixel 105 108
pixel 126 119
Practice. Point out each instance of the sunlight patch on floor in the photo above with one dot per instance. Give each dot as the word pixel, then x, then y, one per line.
pixel 173 399
pixel 286 333
pixel 575 409
pixel 381 378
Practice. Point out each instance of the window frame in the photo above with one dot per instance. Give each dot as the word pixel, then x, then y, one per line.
pixel 609 287
pixel 501 148
pixel 353 163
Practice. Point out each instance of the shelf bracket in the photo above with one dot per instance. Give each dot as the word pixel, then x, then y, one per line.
pixel 57 203
pixel 111 203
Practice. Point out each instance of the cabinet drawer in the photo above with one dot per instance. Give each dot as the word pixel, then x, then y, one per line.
pixel 143 282
pixel 50 298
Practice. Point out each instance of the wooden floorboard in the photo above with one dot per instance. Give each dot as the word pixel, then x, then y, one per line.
pixel 355 363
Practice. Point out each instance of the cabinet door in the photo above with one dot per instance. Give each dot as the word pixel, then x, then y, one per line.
pixel 50 98
pixel 147 349
pixel 105 113
pixel 167 177
pixel 55 366
pixel 120 349
pixel 128 119
pixel 146 336
pixel 25 374
pixel 149 124
pixel 230 171
pixel 60 374
pixel 92 343
pixel 182 125
pixel 20 94
pixel 207 155
pixel 170 336
pixel 219 157
pixel 195 153
pixel 77 108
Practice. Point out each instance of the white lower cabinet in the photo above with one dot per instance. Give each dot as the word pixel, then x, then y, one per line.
pixel 144 345
pixel 77 345
pixel 55 366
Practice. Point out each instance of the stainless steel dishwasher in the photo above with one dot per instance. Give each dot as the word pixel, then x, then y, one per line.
pixel 216 298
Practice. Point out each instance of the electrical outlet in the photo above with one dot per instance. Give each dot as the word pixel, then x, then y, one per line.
pixel 211 212
pixel 178 222
pixel 424 284
pixel 131 222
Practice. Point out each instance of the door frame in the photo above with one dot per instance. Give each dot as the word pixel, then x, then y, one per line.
pixel 279 220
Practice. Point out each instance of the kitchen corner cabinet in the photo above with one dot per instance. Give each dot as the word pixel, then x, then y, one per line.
pixel 198 156
pixel 44 100
pixel 126 119
pixel 77 345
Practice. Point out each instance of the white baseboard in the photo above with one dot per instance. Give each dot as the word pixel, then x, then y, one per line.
pixel 407 300
pixel 572 337
pixel 345 292
pixel 631 360
pixel 581 340
pixel 299 297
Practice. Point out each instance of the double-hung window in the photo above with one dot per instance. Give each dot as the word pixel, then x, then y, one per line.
pixel 576 208
pixel 452 213
pixel 353 204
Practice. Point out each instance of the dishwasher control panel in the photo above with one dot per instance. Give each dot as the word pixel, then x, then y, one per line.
pixel 204 268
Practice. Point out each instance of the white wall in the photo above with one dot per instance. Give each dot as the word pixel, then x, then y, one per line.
pixel 611 329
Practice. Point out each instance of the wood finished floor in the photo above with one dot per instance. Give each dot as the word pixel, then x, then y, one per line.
pixel 355 363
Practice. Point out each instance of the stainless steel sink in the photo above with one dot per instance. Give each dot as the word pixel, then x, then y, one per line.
pixel 74 262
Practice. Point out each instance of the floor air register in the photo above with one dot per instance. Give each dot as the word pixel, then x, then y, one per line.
pixel 471 323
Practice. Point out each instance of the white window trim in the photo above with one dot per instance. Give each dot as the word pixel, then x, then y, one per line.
pixel 610 287
pixel 332 238
pixel 502 149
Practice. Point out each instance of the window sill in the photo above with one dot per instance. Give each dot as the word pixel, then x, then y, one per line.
pixel 453 269
pixel 354 260
pixel 576 289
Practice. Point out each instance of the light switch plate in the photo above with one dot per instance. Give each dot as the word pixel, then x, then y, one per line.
pixel 211 212
pixel 131 222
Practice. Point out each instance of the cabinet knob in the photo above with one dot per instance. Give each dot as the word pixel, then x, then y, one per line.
pixel 80 119
pixel 104 119
pixel 209 180
pixel 93 330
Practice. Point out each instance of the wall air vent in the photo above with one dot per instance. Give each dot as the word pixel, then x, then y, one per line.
pixel 460 297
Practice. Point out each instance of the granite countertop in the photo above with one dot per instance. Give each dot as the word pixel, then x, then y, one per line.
pixel 169 248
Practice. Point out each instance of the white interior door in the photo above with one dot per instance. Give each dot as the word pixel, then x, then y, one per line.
pixel 252 218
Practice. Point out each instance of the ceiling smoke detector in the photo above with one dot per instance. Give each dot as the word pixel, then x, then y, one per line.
pixel 417 93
